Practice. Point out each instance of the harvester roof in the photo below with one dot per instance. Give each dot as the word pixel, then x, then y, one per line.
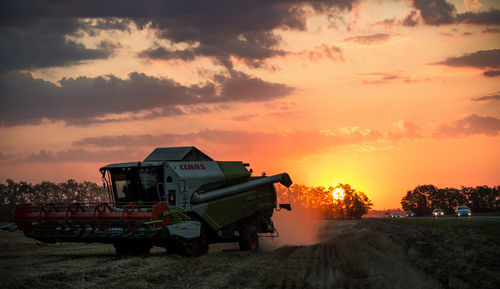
pixel 177 154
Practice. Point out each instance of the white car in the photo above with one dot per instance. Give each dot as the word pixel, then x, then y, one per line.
pixel 410 214
pixel 438 213
pixel 462 211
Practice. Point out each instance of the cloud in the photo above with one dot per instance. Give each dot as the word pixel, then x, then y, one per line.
pixel 492 73
pixel 220 29
pixel 387 23
pixel 439 12
pixel 324 50
pixel 81 155
pixel 410 131
pixel 384 77
pixel 245 117
pixel 94 26
pixel 491 17
pixel 262 143
pixel 436 12
pixel 478 59
pixel 257 139
pixel 236 143
pixel 369 39
pixel 471 125
pixel 491 30
pixel 43 43
pixel 491 97
pixel 27 100
pixel 411 19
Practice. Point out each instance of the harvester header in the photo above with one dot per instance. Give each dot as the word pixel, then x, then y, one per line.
pixel 178 198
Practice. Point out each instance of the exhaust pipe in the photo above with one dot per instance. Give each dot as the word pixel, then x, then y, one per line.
pixel 283 178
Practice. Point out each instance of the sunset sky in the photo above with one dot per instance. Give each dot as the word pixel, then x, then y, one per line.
pixel 384 95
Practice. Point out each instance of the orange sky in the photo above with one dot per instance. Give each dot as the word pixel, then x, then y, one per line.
pixel 383 95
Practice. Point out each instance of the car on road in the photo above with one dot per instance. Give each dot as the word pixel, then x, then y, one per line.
pixel 410 214
pixel 462 211
pixel 438 213
pixel 396 215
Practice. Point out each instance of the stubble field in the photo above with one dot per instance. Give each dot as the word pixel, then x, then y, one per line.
pixel 366 253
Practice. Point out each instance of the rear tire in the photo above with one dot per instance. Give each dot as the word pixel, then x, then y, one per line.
pixel 249 239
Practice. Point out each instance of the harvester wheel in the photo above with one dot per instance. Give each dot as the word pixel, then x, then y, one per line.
pixel 157 214
pixel 129 210
pixel 45 211
pixel 197 246
pixel 249 239
pixel 131 248
pixel 71 210
pixel 100 210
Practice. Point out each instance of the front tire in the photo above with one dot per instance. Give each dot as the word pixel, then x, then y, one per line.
pixel 249 239
pixel 198 246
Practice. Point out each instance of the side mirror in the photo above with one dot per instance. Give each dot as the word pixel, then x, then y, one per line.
pixel 286 207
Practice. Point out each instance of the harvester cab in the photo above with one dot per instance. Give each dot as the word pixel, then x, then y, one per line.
pixel 177 198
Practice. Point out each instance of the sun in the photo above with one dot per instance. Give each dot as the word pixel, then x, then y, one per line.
pixel 338 194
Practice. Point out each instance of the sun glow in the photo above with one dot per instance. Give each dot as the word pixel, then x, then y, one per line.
pixel 338 194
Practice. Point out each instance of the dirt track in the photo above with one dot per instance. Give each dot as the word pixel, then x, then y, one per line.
pixel 367 253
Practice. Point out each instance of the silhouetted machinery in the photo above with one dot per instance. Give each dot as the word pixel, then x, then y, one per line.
pixel 177 198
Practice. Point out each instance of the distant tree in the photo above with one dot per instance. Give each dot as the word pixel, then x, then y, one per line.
pixel 418 200
pixel 423 199
pixel 320 202
pixel 354 204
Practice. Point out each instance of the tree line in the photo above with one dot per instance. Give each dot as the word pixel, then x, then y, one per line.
pixel 320 202
pixel 317 200
pixel 12 193
pixel 425 198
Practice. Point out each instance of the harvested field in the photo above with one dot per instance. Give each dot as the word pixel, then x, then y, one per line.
pixel 367 253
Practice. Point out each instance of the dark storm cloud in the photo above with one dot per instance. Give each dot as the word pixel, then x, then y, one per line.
pixel 369 39
pixel 219 29
pixel 471 125
pixel 439 12
pixel 37 43
pixel 478 59
pixel 25 100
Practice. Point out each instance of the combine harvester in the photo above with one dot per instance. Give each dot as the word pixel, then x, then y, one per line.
pixel 177 198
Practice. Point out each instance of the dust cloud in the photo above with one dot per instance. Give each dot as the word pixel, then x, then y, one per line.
pixel 297 227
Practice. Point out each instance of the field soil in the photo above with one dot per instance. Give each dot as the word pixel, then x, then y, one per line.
pixel 366 253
